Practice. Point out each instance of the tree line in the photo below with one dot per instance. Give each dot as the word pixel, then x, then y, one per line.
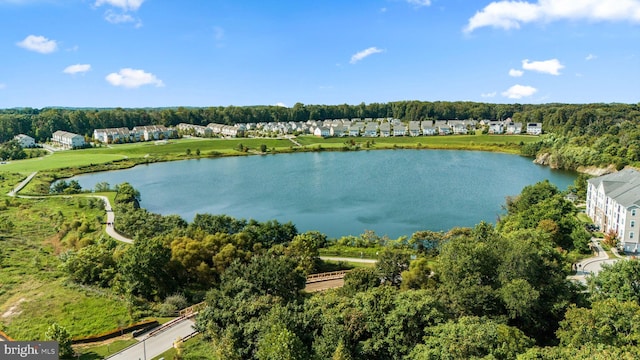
pixel 577 119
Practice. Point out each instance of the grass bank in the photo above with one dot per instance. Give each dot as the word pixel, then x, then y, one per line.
pixel 34 293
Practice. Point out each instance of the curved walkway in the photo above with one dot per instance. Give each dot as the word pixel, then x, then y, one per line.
pixel 111 218
pixel 593 265
pixel 110 230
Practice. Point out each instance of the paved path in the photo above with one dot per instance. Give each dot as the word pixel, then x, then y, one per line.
pixel 593 265
pixel 152 346
pixel 346 259
pixel 107 206
pixel 293 140
pixel 22 184
pixel 111 231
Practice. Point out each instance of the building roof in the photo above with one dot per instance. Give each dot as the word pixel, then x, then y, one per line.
pixel 622 186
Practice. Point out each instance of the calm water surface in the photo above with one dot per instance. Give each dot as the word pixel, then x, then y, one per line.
pixel 393 192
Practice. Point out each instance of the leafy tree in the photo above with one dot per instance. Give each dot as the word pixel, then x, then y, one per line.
pixel 11 150
pixel 213 224
pixel 390 266
pixel 143 269
pixel 92 264
pixel 360 279
pixel 419 275
pixel 280 343
pixel 126 194
pixel 58 333
pixel 472 338
pixel 609 322
pixel 304 249
pixel 102 186
pixel 618 281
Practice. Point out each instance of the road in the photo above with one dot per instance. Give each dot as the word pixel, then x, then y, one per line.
pixel 149 347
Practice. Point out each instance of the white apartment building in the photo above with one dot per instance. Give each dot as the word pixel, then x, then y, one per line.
pixel 613 203
pixel 67 140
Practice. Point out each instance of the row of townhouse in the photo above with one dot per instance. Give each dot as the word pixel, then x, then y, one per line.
pixel 513 128
pixel 67 139
pixel 366 127
pixel 395 127
pixel 237 130
pixel 613 203
pixel 138 133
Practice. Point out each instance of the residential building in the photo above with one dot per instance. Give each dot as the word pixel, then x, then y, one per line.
pixel 152 132
pixel 385 129
pixel 496 127
pixel 613 203
pixel 371 129
pixel 67 140
pixel 339 131
pixel 399 129
pixel 25 141
pixel 534 128
pixel 322 131
pixel 112 135
pixel 428 128
pixel 197 130
pixel 414 128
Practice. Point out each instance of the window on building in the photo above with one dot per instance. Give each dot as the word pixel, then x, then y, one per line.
pixel 630 234
pixel 633 223
pixel 633 212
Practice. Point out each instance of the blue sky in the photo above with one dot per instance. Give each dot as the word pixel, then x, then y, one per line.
pixel 156 53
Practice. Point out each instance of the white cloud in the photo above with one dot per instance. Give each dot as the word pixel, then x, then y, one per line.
pixel 590 57
pixel 519 91
pixel 511 14
pixel 116 18
pixel 126 5
pixel 516 73
pixel 77 68
pixel 364 53
pixel 551 66
pixel 38 44
pixel 489 95
pixel 133 78
pixel 281 104
pixel 419 2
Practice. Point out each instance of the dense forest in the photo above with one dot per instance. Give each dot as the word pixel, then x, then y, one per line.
pixel 577 134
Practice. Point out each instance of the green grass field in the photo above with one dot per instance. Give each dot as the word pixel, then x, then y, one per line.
pixel 33 291
pixel 130 154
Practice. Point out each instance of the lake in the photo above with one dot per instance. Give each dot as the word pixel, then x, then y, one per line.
pixel 392 192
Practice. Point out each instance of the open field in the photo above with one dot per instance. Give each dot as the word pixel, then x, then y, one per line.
pixel 33 291
pixel 130 154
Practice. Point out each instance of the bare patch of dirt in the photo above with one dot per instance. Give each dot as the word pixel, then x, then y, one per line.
pixel 13 309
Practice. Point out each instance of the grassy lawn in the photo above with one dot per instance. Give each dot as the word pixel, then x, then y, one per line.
pixel 177 149
pixel 504 143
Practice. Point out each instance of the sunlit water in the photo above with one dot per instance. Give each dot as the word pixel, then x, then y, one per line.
pixel 393 192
